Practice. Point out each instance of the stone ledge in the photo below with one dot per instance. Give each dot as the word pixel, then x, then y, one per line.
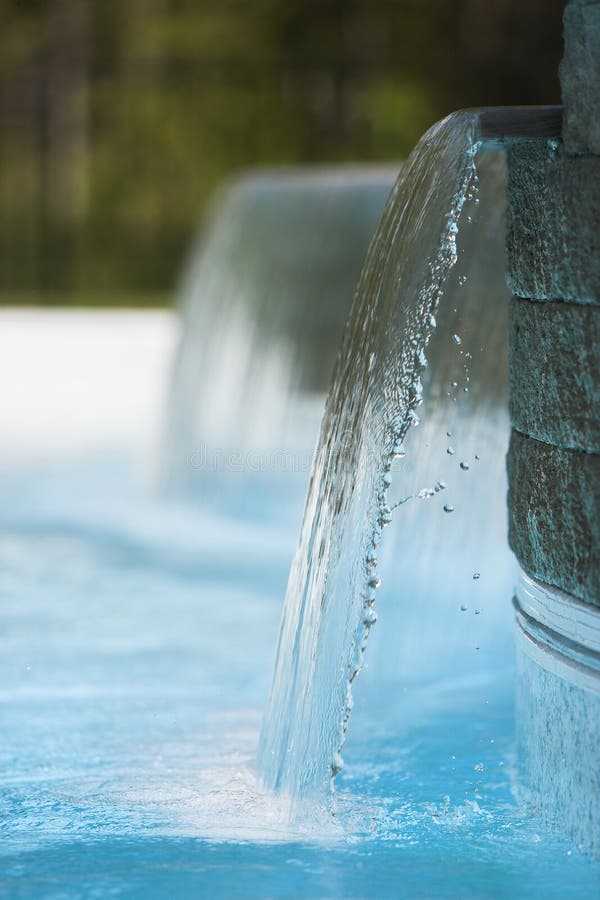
pixel 553 219
pixel 554 514
pixel 554 372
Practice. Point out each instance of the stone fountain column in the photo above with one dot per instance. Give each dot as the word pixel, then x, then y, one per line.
pixel 553 245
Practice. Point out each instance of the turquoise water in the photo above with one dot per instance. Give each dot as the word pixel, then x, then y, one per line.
pixel 137 643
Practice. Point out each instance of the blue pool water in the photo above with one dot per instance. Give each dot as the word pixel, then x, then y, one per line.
pixel 137 644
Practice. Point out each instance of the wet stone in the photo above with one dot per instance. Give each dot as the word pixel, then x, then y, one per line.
pixel 553 223
pixel 554 372
pixel 580 77
pixel 554 514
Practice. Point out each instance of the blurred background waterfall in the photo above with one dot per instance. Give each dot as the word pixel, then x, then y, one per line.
pixel 264 301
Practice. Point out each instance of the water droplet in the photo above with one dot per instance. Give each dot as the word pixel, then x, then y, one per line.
pixel 450 451
pixel 477 611
pixel 476 457
pixel 463 608
pixel 337 765
pixel 448 434
pixel 448 508
pixel 385 517
pixel 479 767
pixel 465 390
pixel 476 576
pixel 441 485
pixel 462 279
pixel 370 617
pixel 457 338
pixel 374 582
pixel 464 466
pixel 455 384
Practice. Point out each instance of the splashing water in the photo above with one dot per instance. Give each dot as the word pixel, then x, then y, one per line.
pixel 329 606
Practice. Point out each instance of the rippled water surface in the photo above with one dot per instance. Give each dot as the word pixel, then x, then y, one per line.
pixel 137 646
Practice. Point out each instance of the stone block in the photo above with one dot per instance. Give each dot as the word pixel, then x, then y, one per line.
pixel 553 223
pixel 554 514
pixel 554 372
pixel 580 77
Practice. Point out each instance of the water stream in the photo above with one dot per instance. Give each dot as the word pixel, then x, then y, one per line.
pixel 378 386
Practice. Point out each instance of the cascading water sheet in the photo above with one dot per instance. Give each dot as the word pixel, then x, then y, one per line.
pixel 447 577
pixel 264 301
pixel 380 381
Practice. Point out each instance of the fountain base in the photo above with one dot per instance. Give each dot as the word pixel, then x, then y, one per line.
pixel 558 709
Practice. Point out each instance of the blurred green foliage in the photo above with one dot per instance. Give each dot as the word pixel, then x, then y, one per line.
pixel 119 117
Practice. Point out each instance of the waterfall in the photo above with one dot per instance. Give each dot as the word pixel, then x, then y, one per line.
pixel 263 305
pixel 378 385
